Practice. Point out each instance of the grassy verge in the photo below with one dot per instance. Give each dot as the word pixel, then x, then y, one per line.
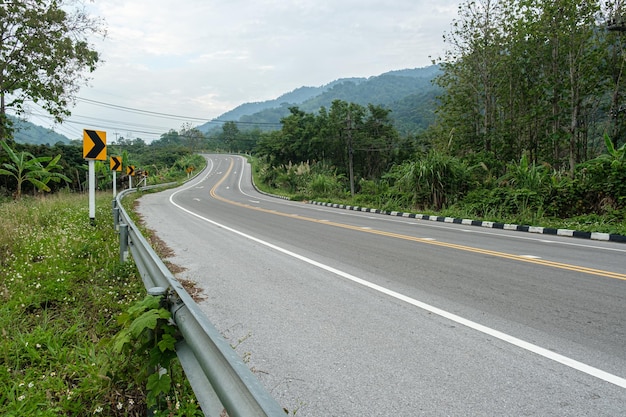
pixel 62 289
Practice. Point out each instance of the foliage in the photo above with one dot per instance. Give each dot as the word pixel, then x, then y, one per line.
pixel 347 136
pixel 525 175
pixel 61 289
pixel 161 161
pixel 43 54
pixel 432 181
pixel 147 341
pixel 529 77
pixel 25 167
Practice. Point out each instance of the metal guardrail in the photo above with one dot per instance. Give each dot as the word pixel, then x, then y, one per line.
pixel 218 376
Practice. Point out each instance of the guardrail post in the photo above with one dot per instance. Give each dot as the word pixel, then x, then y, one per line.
pixel 116 218
pixel 123 242
pixel 157 292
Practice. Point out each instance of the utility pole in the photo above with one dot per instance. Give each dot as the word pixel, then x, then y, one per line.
pixel 350 152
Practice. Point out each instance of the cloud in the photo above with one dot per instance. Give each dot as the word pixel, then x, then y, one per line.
pixel 202 58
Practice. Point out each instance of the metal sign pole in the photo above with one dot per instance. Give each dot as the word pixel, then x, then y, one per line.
pixel 92 191
pixel 114 184
pixel 94 149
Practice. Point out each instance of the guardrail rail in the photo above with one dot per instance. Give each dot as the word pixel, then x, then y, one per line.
pixel 218 376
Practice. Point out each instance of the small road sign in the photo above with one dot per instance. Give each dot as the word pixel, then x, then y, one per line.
pixel 130 170
pixel 94 145
pixel 116 163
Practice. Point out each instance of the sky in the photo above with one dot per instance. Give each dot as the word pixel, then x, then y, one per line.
pixel 169 64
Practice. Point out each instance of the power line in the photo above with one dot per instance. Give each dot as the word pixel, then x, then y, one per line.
pixel 134 110
pixel 171 116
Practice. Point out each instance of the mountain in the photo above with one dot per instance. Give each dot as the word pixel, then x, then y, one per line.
pixel 27 132
pixel 408 93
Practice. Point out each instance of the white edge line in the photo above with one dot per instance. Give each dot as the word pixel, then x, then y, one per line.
pixel 548 354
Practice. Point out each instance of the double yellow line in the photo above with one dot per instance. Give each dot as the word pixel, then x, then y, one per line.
pixel 558 265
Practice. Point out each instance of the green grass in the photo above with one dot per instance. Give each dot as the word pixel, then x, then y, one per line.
pixel 62 288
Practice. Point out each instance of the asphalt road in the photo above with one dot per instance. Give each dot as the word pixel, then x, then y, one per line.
pixel 346 313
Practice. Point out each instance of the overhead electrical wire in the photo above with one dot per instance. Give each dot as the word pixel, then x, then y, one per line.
pixel 134 110
pixel 130 127
pixel 168 115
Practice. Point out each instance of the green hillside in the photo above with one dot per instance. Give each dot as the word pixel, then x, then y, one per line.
pixel 27 132
pixel 409 94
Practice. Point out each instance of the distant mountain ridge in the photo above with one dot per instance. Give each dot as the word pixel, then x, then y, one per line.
pixel 27 132
pixel 408 93
pixel 297 96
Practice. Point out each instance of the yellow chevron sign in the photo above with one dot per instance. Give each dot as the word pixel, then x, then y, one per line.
pixel 94 145
pixel 116 163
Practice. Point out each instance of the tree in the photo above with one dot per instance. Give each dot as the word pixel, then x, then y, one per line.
pixel 525 77
pixel 192 137
pixel 44 53
pixel 24 167
pixel 230 134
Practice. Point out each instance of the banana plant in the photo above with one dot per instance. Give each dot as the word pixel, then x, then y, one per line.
pixel 617 156
pixel 25 167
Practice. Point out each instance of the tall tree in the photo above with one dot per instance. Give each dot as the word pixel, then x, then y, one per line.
pixel 567 32
pixel 524 76
pixel 44 55
pixel 230 134
pixel 470 76
pixel 192 137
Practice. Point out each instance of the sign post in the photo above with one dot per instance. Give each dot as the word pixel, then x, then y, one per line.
pixel 130 170
pixel 116 165
pixel 94 149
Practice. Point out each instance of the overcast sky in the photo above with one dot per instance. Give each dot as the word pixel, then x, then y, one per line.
pixel 202 58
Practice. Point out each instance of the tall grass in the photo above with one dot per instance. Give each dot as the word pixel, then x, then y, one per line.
pixel 61 289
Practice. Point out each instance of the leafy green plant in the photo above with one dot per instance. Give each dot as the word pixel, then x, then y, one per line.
pixel 25 167
pixel 148 336
pixel 617 156
pixel 525 175
pixel 434 180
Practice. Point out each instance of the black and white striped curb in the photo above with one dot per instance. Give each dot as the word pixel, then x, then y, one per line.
pixel 493 225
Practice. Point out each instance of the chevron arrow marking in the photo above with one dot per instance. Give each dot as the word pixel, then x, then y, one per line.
pixel 116 163
pixel 98 139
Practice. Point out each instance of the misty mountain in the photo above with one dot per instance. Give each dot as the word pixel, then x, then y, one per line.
pixel 27 132
pixel 408 93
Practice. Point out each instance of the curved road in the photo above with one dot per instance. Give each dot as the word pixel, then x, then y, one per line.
pixel 344 313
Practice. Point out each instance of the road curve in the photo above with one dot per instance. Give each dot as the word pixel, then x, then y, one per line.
pixel 344 313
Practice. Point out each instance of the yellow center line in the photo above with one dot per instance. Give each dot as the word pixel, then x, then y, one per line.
pixel 504 255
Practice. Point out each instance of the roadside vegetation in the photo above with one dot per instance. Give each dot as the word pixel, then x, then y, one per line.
pixel 63 291
pixel 522 192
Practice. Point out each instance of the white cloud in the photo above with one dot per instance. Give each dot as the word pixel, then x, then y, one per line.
pixel 202 58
